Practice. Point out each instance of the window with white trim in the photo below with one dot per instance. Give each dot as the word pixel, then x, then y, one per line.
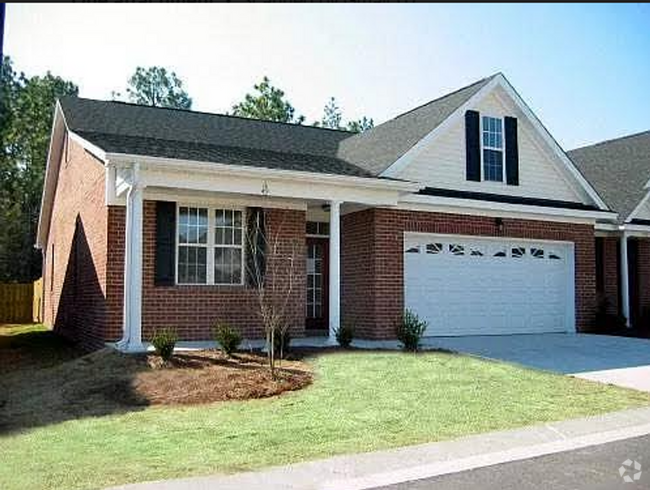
pixel 210 246
pixel 228 247
pixel 192 245
pixel 492 140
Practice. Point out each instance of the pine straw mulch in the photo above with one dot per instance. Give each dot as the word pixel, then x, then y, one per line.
pixel 209 376
pixel 107 382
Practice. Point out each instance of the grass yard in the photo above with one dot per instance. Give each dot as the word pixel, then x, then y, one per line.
pixel 359 401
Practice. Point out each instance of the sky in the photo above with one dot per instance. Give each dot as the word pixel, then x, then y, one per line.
pixel 583 69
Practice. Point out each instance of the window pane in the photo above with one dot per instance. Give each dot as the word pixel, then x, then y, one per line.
pixel 238 219
pixel 238 236
pixel 236 267
pixel 492 165
pixel 220 218
pixel 193 235
pixel 182 233
pixel 192 265
pixel 183 216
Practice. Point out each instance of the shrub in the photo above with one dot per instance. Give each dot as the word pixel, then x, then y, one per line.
pixel 281 342
pixel 344 335
pixel 410 331
pixel 227 337
pixel 164 342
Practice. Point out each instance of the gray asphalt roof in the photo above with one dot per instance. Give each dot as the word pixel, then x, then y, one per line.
pixel 152 131
pixel 618 169
pixel 378 148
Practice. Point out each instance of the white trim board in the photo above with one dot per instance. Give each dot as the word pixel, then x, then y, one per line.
pixel 502 210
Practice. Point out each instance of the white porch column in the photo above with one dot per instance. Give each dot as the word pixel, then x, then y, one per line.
pixel 625 280
pixel 335 270
pixel 132 321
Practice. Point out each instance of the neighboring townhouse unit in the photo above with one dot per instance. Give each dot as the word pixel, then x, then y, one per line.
pixel 464 210
pixel 620 170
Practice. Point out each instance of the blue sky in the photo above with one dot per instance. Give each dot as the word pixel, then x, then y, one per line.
pixel 583 69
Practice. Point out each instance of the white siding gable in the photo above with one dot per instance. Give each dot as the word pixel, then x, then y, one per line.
pixel 441 163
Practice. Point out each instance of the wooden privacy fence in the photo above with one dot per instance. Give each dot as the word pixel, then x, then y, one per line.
pixel 21 303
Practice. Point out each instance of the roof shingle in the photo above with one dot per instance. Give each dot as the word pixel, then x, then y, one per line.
pixel 618 169
pixel 119 127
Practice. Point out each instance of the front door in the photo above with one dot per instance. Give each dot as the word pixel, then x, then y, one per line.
pixel 317 283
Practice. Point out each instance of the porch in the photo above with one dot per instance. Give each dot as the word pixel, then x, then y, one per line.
pixel 187 267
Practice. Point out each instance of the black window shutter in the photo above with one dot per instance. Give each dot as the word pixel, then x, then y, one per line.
pixel 512 151
pixel 473 146
pixel 165 243
pixel 255 247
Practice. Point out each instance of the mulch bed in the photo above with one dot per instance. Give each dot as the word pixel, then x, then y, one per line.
pixel 107 382
pixel 209 376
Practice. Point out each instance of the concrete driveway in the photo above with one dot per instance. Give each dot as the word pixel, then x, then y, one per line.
pixel 620 361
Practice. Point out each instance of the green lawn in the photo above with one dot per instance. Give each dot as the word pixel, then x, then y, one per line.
pixel 360 401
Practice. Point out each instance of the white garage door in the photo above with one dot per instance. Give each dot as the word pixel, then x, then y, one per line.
pixel 482 286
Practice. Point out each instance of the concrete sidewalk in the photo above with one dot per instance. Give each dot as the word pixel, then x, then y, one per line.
pixel 370 470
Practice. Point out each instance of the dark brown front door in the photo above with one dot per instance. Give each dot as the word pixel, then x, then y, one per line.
pixel 317 283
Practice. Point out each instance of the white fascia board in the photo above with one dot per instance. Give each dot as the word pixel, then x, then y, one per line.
pixel 266 173
pixel 221 200
pixel 51 176
pixel 94 150
pixel 501 81
pixel 609 230
pixel 635 230
pixel 638 207
pixel 430 138
pixel 215 177
pixel 503 210
pixel 608 227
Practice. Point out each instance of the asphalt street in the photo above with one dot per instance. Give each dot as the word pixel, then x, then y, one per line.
pixel 591 468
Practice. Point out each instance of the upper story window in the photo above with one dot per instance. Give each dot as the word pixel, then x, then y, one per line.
pixel 492 139
pixel 210 246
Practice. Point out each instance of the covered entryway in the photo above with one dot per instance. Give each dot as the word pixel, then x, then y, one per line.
pixel 489 286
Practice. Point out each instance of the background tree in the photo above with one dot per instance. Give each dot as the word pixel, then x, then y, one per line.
pixel 360 125
pixel 157 87
pixel 27 106
pixel 267 103
pixel 332 115
pixel 333 119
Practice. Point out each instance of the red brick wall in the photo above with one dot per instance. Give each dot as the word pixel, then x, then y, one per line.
pixel 643 276
pixel 610 277
pixel 74 268
pixel 194 310
pixel 373 294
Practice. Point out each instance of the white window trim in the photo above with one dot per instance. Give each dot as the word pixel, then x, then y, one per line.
pixel 502 149
pixel 211 245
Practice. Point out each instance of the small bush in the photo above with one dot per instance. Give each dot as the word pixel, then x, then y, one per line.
pixel 281 342
pixel 164 342
pixel 410 331
pixel 227 337
pixel 344 335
